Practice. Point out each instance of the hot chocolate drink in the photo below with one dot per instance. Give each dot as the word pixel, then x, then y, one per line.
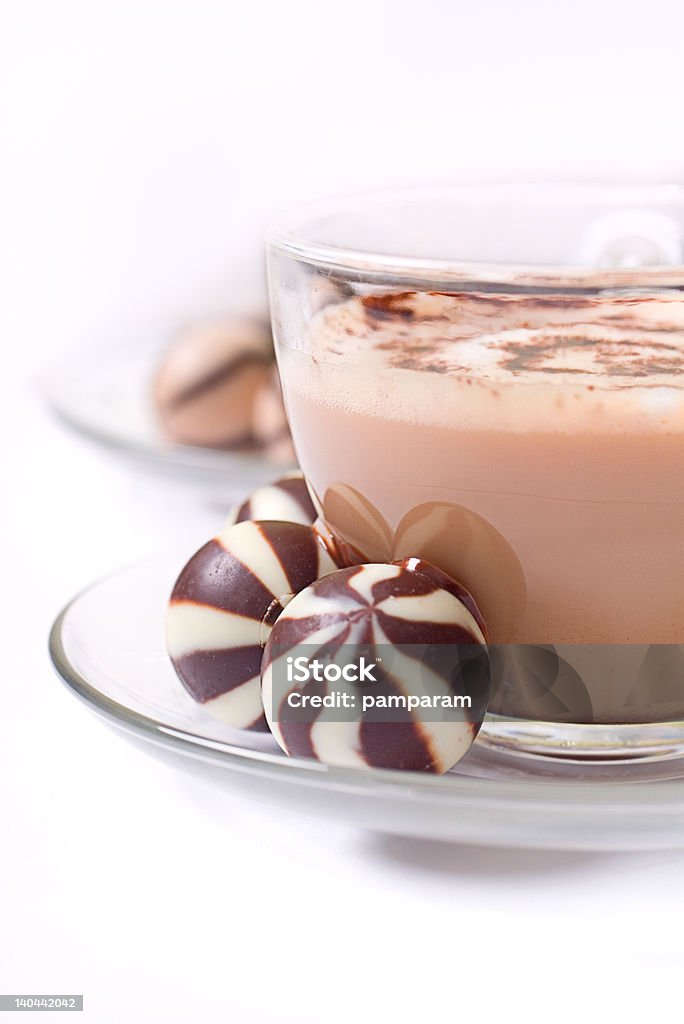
pixel 532 446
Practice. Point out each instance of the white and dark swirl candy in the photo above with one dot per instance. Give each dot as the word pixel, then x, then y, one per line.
pixel 286 499
pixel 428 641
pixel 207 381
pixel 442 579
pixel 224 604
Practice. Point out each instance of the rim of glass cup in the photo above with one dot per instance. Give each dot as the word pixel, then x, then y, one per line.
pixel 292 233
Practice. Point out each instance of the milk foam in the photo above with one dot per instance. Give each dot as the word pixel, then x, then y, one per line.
pixel 551 363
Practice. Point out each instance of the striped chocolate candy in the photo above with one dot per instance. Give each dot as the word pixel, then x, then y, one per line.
pixel 286 499
pixel 430 643
pixel 206 383
pixel 442 579
pixel 224 604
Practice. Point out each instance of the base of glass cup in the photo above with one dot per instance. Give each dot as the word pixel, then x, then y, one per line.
pixel 584 743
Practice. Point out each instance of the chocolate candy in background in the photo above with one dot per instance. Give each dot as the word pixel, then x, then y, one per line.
pixel 224 604
pixel 207 382
pixel 269 421
pixel 286 499
pixel 430 643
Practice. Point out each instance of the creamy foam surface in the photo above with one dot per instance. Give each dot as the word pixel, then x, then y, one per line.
pixel 551 363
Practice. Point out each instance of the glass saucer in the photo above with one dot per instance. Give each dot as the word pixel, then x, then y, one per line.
pixel 105 395
pixel 108 647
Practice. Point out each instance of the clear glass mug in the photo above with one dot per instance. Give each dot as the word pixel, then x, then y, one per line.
pixel 493 379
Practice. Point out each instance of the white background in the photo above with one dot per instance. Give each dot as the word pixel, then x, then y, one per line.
pixel 143 147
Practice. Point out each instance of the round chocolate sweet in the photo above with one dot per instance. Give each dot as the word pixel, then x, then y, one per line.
pixel 442 579
pixel 286 499
pixel 422 643
pixel 207 381
pixel 224 604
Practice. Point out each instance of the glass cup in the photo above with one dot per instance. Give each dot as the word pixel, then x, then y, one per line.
pixel 493 379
